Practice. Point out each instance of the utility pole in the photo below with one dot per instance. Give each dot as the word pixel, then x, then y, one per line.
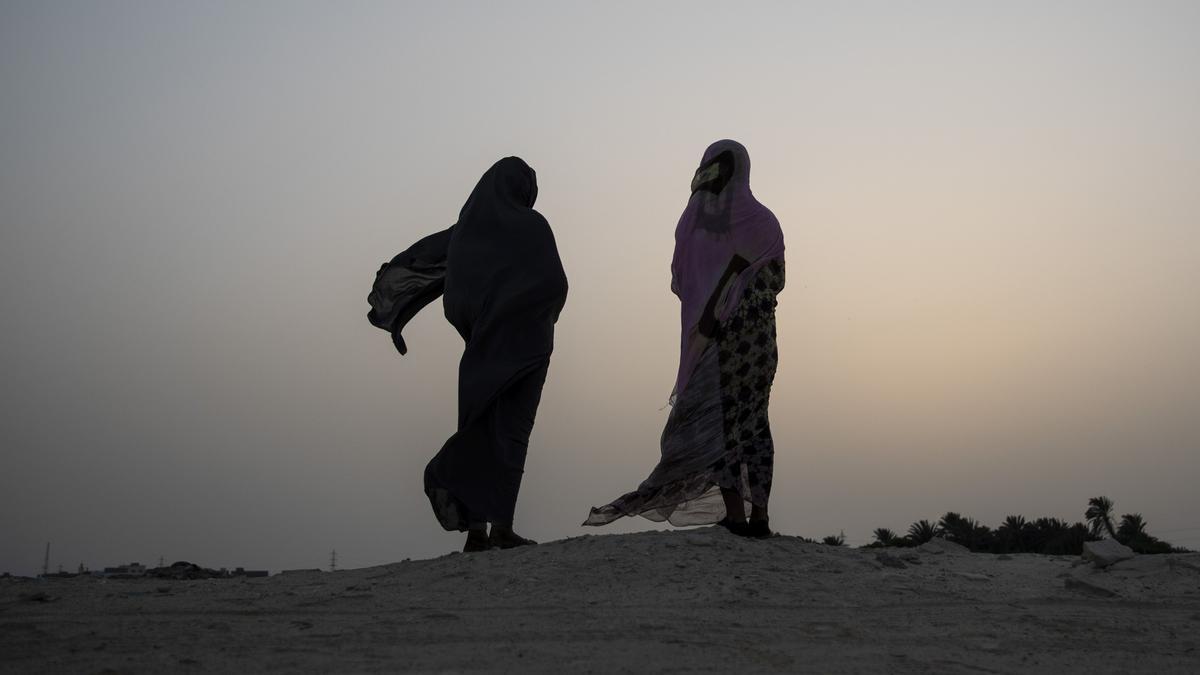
pixel 46 561
pixel 333 560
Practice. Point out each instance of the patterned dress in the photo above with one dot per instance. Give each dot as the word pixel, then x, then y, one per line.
pixel 718 434
pixel 748 358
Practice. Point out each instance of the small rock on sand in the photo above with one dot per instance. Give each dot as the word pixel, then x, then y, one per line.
pixel 1106 552
pixel 1071 583
pixel 1142 564
pixel 889 560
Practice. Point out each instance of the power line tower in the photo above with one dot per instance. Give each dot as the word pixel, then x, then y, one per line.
pixel 333 560
pixel 46 561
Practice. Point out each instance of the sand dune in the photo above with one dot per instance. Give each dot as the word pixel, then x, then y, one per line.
pixel 683 601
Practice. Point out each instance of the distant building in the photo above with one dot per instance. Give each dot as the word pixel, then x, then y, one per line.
pixel 181 570
pixel 125 571
pixel 241 572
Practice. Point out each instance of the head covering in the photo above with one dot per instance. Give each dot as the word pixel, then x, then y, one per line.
pixel 416 276
pixel 721 223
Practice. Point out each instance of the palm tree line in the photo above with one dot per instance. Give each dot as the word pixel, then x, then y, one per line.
pixel 1051 536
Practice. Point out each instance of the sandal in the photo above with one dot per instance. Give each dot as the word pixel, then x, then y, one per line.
pixel 737 527
pixel 509 540
pixel 475 544
pixel 759 529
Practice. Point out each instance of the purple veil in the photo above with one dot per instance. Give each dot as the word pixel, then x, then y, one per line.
pixel 713 229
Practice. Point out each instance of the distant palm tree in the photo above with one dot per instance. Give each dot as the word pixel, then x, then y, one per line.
pixel 1132 526
pixel 1053 536
pixel 885 537
pixel 956 527
pixel 923 531
pixel 966 531
pixel 952 520
pixel 1012 533
pixel 832 540
pixel 1099 516
pixel 1014 523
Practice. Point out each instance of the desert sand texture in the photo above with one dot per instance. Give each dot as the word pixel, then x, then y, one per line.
pixel 689 601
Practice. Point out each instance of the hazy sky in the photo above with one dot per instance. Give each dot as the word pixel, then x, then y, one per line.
pixel 992 213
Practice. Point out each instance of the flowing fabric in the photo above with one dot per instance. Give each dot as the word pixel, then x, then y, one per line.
pixel 726 243
pixel 503 287
pixel 404 285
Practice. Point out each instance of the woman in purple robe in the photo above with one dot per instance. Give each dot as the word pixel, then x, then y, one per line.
pixel 717 452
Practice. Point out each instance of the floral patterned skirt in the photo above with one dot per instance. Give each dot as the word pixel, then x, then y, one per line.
pixel 748 358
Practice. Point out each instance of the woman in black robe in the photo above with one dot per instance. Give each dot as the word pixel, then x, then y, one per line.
pixel 503 287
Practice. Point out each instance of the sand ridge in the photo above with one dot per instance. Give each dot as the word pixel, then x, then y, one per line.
pixel 697 600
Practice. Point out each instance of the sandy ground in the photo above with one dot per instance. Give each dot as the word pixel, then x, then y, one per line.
pixel 684 601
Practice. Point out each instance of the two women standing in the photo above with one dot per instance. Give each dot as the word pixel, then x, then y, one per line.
pixel 504 288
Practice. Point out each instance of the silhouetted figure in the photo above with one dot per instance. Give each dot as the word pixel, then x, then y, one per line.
pixel 503 286
pixel 717 451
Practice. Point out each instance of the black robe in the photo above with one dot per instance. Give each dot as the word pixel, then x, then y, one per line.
pixel 503 287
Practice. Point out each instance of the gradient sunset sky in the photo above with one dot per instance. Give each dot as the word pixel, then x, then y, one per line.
pixel 992 217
